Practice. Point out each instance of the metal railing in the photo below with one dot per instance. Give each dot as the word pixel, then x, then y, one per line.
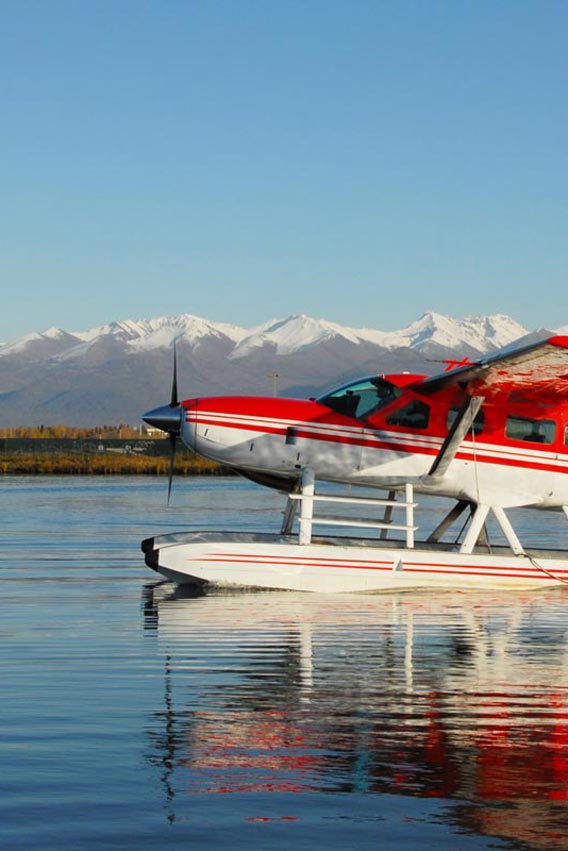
pixel 307 497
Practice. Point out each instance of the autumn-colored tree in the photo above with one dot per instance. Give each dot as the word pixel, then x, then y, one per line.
pixel 61 431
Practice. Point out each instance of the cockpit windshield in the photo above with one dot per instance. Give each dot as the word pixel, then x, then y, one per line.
pixel 361 398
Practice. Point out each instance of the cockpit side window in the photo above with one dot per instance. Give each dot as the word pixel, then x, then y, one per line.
pixel 361 398
pixel 415 414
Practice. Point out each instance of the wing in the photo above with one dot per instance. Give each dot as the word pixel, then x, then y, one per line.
pixel 537 370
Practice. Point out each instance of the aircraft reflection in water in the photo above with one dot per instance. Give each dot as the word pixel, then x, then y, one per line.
pixel 421 695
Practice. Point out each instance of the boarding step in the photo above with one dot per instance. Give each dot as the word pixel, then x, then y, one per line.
pixel 306 497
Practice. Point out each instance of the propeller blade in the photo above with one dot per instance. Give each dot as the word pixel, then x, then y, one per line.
pixel 172 438
pixel 174 402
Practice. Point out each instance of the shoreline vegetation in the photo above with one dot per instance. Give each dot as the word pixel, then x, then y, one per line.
pixel 102 451
pixel 75 464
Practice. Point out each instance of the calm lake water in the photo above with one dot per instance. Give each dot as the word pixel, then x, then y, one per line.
pixel 136 715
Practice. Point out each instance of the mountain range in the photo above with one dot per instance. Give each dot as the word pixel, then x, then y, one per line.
pixel 114 373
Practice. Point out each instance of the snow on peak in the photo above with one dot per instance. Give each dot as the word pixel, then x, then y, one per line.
pixel 285 336
pixel 291 335
pixel 161 333
pixel 124 330
pixel 55 333
pixel 482 333
pixel 494 331
pixel 34 340
pixel 157 333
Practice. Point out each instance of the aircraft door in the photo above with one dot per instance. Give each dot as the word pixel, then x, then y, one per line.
pixel 355 440
pixel 331 445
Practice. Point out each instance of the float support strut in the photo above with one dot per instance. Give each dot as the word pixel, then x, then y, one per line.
pixel 307 506
pixel 476 525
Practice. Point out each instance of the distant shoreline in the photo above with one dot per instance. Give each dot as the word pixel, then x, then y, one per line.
pixel 104 464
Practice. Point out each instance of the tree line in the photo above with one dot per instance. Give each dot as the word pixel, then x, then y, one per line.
pixel 104 464
pixel 47 432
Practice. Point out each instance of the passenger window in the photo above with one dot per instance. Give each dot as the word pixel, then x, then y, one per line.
pixel 533 431
pixel 566 436
pixel 415 414
pixel 478 422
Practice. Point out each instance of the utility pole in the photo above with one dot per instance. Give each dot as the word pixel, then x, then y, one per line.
pixel 274 376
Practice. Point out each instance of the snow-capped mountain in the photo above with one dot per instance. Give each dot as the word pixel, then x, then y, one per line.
pixel 156 333
pixel 40 343
pixel 478 333
pixel 285 336
pixel 292 335
pixel 115 372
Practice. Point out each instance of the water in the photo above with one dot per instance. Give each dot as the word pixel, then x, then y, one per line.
pixel 134 715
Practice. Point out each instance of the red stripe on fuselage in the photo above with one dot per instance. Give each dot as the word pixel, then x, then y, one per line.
pixel 317 435
pixel 373 442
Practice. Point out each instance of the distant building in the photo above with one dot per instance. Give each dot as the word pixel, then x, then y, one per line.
pixel 150 431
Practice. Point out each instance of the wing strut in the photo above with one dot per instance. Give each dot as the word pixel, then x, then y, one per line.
pixel 462 424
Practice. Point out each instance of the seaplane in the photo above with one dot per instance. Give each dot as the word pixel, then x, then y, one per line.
pixel 485 436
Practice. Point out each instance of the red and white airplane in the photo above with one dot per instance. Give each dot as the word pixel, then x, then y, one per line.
pixel 492 434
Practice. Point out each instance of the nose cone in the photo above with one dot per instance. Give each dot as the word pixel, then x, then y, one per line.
pixel 167 418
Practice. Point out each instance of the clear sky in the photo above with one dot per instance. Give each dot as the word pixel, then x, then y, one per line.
pixel 357 160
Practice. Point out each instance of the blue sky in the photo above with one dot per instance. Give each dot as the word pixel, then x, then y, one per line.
pixel 357 161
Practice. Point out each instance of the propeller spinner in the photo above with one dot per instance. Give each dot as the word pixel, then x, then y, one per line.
pixel 168 419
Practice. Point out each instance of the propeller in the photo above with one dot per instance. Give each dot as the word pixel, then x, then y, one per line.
pixel 173 435
pixel 174 402
pixel 168 419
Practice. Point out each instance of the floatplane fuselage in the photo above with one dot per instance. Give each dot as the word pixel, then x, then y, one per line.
pixel 490 435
